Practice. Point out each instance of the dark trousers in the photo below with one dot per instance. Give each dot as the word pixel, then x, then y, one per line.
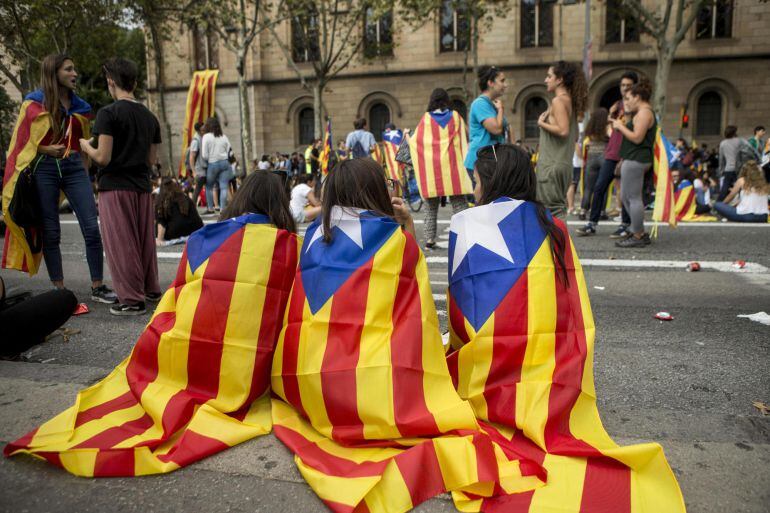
pixel 200 182
pixel 599 197
pixel 728 180
pixel 26 324
pixel 68 176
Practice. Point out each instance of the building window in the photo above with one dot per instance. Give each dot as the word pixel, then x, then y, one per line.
pixel 306 123
pixel 532 110
pixel 715 20
pixel 378 35
pixel 205 48
pixel 455 28
pixel 709 114
pixel 620 26
pixel 304 38
pixel 459 106
pixel 379 116
pixel 536 23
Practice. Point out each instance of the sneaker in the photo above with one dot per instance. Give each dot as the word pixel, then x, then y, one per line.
pixel 632 242
pixel 646 238
pixel 621 233
pixel 588 229
pixel 103 294
pixel 153 297
pixel 124 309
pixel 430 244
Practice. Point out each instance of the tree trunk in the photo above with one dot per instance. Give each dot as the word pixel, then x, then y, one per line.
pixel 317 114
pixel 243 98
pixel 665 53
pixel 160 83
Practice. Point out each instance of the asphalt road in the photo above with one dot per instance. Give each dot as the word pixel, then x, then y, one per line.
pixel 688 384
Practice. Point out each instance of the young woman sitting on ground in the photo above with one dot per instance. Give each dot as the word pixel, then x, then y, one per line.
pixel 175 213
pixel 752 190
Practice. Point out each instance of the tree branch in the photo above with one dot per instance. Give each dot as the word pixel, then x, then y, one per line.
pixel 695 8
pixel 12 78
pixel 650 23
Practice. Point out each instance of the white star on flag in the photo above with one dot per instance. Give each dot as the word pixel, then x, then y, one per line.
pixel 479 226
pixel 347 220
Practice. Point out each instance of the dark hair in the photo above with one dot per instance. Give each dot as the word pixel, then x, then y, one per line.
pixel 687 174
pixel 731 131
pixel 169 194
pixel 49 82
pixel 596 129
pixel 262 192
pixel 487 74
pixel 305 178
pixel 198 126
pixel 758 128
pixel 122 71
pixel 265 157
pixel 439 100
pixel 573 79
pixel 642 89
pixel 511 175
pixel 356 183
pixel 359 123
pixel 213 127
pixel 630 75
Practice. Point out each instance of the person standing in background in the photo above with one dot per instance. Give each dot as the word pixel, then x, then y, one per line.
pixel 486 121
pixel 128 136
pixel 198 165
pixel 216 151
pixel 728 157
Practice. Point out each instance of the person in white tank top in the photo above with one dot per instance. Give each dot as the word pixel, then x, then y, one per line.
pixel 751 189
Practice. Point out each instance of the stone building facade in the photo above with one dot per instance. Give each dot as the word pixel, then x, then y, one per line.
pixel 721 72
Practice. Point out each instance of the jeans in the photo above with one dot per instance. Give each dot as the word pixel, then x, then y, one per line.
pixel 603 181
pixel 728 180
pixel 68 176
pixel 731 214
pixel 218 172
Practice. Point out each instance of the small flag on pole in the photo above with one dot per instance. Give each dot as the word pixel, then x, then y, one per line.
pixel 327 149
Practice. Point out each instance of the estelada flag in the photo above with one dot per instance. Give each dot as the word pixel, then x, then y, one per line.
pixel 201 101
pixel 391 140
pixel 327 149
pixel 684 198
pixel 366 401
pixel 22 249
pixel 665 209
pixel 197 381
pixel 377 153
pixel 438 149
pixel 523 357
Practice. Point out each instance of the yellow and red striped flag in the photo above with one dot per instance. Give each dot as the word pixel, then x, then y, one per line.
pixel 201 99
pixel 438 149
pixel 22 249
pixel 684 198
pixel 327 149
pixel 366 401
pixel 523 357
pixel 377 153
pixel 665 208
pixel 390 142
pixel 197 381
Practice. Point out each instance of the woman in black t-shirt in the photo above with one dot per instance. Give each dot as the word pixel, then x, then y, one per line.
pixel 175 213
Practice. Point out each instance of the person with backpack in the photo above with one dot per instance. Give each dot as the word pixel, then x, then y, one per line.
pixel 197 165
pixel 360 142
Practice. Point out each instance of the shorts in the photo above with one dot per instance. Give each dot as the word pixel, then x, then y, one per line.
pixel 576 175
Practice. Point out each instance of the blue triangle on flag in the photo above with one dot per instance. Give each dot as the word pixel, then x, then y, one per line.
pixel 207 240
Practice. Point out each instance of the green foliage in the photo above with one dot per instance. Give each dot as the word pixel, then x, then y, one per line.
pixel 8 112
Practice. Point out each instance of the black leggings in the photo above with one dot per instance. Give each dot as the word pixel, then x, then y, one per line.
pixel 26 324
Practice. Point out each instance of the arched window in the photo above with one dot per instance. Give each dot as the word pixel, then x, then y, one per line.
pixel 610 97
pixel 532 110
pixel 379 116
pixel 709 114
pixel 459 106
pixel 306 123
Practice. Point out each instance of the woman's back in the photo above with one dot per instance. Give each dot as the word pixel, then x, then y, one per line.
pixel 753 201
pixel 558 150
pixel 215 148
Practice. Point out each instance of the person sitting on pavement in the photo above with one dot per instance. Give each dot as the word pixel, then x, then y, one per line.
pixel 304 204
pixel 752 190
pixel 175 214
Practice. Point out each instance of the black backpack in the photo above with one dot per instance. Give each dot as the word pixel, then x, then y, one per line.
pixel 24 207
pixel 358 150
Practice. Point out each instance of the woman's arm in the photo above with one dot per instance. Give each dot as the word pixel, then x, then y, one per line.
pixel 152 155
pixel 734 191
pixel 161 238
pixel 642 122
pixel 402 215
pixel 495 126
pixel 101 155
pixel 312 199
pixel 560 115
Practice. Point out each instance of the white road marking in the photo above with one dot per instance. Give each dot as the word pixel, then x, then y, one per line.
pixel 439 297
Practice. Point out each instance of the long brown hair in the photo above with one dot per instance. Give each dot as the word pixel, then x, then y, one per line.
pixel 49 82
pixel 169 194
pixel 596 129
pixel 356 183
pixel 753 178
pixel 262 193
pixel 574 81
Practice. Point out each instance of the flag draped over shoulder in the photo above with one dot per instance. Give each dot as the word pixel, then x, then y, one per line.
pixel 31 128
pixel 523 358
pixel 197 380
pixel 366 401
pixel 665 209
pixel 438 148
pixel 201 99
pixel 684 199
pixel 327 149
pixel 390 142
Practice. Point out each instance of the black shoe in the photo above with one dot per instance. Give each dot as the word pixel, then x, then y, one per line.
pixel 632 242
pixel 153 297
pixel 604 217
pixel 588 229
pixel 582 216
pixel 124 309
pixel 621 233
pixel 646 238
pixel 104 294
pixel 430 245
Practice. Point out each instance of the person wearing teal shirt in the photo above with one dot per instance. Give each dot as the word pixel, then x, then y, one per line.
pixel 486 122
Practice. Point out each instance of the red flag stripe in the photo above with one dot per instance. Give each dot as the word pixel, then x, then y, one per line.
pixel 421 471
pixel 114 463
pixel 436 144
pixel 23 133
pixel 291 336
pixel 420 154
pixel 123 401
pixel 192 447
pixel 453 128
pixel 606 487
